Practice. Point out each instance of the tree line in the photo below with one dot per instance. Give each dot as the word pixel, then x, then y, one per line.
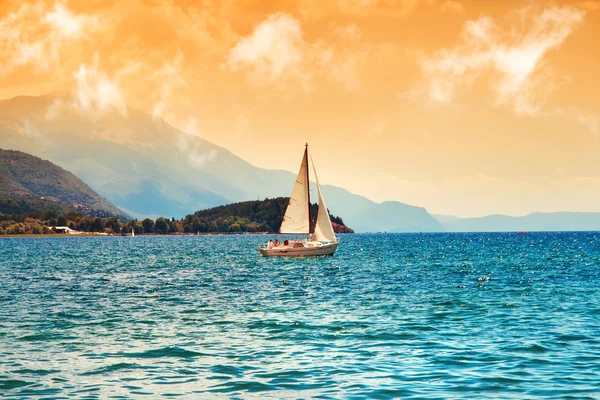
pixel 248 216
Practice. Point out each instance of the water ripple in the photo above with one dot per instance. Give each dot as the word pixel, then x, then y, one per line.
pixel 389 316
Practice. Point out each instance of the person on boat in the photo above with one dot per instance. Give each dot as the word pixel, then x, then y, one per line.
pixel 276 243
pixel 270 246
pixel 286 242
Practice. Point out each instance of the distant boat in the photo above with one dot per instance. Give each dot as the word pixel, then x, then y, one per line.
pixel 132 233
pixel 297 220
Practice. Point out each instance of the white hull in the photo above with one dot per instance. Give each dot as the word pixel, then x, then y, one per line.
pixel 326 249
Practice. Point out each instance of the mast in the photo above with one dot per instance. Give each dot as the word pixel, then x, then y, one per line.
pixel 307 186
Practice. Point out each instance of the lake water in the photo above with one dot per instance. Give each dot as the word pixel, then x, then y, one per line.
pixel 389 316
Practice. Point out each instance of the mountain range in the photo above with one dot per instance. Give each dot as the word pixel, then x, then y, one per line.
pixel 556 221
pixel 148 168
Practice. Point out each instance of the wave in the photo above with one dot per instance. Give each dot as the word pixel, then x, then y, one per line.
pixel 164 352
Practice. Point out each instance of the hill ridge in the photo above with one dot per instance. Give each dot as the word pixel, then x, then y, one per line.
pixel 30 181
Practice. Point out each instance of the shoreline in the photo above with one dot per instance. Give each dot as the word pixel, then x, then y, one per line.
pixel 90 234
pixel 94 234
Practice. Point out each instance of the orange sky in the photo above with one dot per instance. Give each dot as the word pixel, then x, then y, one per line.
pixel 463 107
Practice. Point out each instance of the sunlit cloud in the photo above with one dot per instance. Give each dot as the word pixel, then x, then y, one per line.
pixel 36 33
pixel 274 51
pixel 166 79
pixel 67 24
pixel 96 93
pixel 512 59
pixel 191 146
pixel 277 53
pixel 199 159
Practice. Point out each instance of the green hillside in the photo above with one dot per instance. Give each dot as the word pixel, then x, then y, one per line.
pixel 30 184
pixel 250 216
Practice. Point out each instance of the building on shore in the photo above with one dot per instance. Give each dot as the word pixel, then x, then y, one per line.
pixel 66 230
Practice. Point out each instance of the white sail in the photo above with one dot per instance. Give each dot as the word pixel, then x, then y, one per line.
pixel 132 232
pixel 295 219
pixel 323 229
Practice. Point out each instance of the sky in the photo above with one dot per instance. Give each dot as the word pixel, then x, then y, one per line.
pixel 463 107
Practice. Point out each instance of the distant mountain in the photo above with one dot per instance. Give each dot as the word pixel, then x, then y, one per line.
pixel 148 168
pixel 392 216
pixel 28 183
pixel 558 221
pixel 445 219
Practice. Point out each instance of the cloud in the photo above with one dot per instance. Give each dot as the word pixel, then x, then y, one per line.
pixel 273 51
pixel 512 59
pixel 31 130
pixel 67 24
pixel 96 93
pixel 35 34
pixel 166 79
pixel 276 53
pixel 198 160
pixel 189 145
pixel 191 127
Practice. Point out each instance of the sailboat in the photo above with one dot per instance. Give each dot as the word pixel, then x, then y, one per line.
pixel 132 233
pixel 297 220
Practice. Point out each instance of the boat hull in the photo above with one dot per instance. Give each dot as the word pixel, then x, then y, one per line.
pixel 324 250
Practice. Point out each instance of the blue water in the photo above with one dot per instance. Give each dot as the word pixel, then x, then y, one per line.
pixel 389 316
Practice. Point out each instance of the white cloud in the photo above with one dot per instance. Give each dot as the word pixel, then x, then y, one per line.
pixel 513 61
pixel 96 93
pixel 67 24
pixel 31 130
pixel 191 146
pixel 53 111
pixel 273 51
pixel 198 159
pixel 35 34
pixel 167 78
pixel 276 53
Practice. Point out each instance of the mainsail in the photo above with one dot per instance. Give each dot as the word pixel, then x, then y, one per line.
pixel 296 218
pixel 323 229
